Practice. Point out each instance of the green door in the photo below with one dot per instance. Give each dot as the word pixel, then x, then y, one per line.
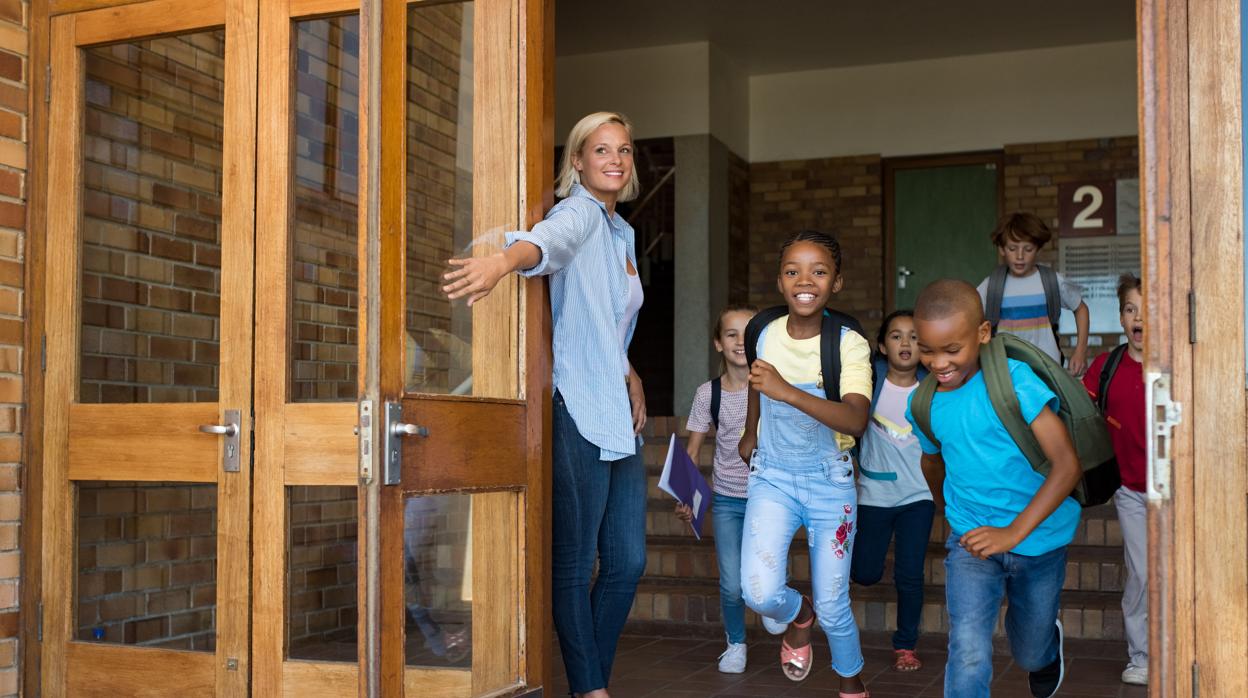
pixel 942 217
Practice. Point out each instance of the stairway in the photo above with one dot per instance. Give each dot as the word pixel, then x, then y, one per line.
pixel 679 594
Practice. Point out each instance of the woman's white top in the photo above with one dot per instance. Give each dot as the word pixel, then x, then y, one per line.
pixel 635 297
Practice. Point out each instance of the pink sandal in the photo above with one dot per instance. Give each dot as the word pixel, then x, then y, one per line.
pixel 864 694
pixel 906 661
pixel 796 662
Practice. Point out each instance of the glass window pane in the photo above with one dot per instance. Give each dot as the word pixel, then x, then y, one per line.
pixel 439 194
pixel 151 254
pixel 437 564
pixel 147 564
pixel 324 226
pixel 321 552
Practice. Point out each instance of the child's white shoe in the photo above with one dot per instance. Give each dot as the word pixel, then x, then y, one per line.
pixel 1135 675
pixel 732 661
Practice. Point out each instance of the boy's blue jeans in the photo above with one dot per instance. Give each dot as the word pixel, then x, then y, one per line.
pixel 728 513
pixel 599 512
pixel 973 592
pixel 821 497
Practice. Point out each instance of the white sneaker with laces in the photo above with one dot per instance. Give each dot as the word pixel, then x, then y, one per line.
pixel 732 661
pixel 1135 675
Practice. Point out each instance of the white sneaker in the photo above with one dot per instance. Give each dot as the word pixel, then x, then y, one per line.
pixel 1135 675
pixel 773 626
pixel 732 661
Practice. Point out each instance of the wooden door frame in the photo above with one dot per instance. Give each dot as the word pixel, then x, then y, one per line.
pixel 889 167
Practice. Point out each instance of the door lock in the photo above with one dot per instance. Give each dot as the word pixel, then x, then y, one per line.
pixel 395 430
pixel 229 451
pixel 902 274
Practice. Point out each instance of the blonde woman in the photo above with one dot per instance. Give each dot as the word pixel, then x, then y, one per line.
pixel 599 495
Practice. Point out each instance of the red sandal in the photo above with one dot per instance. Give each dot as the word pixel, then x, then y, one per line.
pixel 796 662
pixel 906 661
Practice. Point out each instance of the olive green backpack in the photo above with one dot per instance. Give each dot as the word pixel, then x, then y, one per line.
pixel 1077 411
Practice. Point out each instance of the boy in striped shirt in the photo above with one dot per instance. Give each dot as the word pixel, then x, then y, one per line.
pixel 1024 306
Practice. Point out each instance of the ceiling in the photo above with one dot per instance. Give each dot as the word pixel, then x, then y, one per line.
pixel 775 36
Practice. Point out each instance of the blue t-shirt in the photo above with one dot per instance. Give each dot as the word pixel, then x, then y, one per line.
pixel 988 480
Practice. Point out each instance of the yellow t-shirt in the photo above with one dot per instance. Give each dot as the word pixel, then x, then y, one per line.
pixel 798 362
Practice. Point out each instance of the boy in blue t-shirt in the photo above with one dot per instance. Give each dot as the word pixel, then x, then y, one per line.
pixel 1010 524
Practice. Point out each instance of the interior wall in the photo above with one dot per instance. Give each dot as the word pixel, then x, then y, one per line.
pixel 945 105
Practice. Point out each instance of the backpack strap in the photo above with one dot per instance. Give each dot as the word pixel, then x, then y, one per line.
pixel 995 294
pixel 921 407
pixel 716 390
pixel 1107 375
pixel 1052 294
pixel 829 343
pixel 993 361
pixel 1052 304
pixel 754 329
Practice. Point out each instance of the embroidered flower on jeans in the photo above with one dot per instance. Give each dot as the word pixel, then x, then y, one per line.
pixel 849 509
pixel 840 554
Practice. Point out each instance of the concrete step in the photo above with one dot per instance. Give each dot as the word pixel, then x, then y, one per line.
pixel 1091 568
pixel 675 607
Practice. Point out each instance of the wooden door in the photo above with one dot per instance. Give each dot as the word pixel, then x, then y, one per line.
pixel 1191 154
pixel 940 212
pixel 306 522
pixel 149 340
pixel 464 150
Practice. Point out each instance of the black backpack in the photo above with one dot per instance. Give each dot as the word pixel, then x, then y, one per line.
pixel 1052 299
pixel 1107 375
pixel 717 389
pixel 829 345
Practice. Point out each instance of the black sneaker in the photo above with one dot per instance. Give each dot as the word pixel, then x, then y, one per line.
pixel 1044 683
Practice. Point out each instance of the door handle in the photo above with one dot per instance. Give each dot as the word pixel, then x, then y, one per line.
pixel 902 274
pixel 230 430
pixel 395 430
pixel 404 429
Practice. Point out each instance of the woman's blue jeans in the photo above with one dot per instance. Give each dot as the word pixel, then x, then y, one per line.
pixel 728 513
pixel 599 511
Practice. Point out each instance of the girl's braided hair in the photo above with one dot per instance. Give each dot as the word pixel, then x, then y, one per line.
pixel 819 238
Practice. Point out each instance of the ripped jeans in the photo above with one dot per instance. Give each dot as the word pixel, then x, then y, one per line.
pixel 822 497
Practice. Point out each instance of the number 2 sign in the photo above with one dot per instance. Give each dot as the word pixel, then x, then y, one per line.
pixel 1087 209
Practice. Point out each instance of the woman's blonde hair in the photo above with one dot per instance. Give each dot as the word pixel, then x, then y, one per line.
pixel 576 141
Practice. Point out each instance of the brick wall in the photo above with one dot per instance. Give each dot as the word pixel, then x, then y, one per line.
pixel 1033 172
pixel 838 195
pixel 14 24
pixel 151 220
pixel 146 564
pixel 439 194
pixel 322 603
pixel 324 273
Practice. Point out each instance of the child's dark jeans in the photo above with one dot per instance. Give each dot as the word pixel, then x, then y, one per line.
pixel 912 524
pixel 974 589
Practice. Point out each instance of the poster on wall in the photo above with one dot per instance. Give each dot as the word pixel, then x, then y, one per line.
pixel 1095 264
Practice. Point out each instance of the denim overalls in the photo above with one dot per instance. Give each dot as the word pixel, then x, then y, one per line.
pixel 800 477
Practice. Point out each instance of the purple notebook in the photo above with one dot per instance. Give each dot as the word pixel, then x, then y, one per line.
pixel 682 480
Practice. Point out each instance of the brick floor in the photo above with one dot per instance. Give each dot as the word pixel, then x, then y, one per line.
pixel 648 666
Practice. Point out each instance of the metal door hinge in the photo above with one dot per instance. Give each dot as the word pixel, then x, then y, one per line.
pixel 1195 680
pixel 364 430
pixel 1163 416
pixel 47 84
pixel 1191 317
pixel 43 353
pixel 395 430
pixel 39 622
